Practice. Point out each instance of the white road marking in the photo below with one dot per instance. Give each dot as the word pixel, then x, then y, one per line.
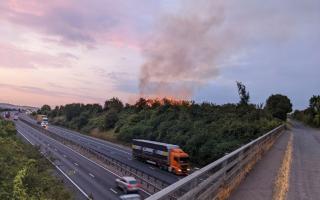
pixel 91 175
pixel 56 149
pixel 88 159
pixel 64 155
pixel 26 138
pixel 85 194
pixel 113 191
pixel 76 164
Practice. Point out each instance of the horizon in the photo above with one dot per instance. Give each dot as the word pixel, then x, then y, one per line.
pixel 60 52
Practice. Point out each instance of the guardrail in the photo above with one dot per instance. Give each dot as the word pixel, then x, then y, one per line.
pixel 218 179
pixel 149 182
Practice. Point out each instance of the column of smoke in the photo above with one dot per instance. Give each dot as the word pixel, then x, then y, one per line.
pixel 185 50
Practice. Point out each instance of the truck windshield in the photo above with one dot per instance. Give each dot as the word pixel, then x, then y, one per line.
pixel 184 159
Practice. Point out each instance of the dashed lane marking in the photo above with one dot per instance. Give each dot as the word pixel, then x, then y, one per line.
pixel 113 191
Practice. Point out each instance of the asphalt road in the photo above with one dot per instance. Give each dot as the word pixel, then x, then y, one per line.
pixel 305 169
pixel 116 152
pixel 87 176
pixel 259 183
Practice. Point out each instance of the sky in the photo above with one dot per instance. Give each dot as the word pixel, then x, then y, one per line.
pixel 57 52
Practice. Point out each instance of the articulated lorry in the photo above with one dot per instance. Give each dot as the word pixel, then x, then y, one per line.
pixel 167 156
pixel 42 120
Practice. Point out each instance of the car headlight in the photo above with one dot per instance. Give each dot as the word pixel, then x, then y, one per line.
pixel 188 169
pixel 179 170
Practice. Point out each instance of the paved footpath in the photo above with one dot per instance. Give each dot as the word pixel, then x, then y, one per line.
pixel 259 183
pixel 305 169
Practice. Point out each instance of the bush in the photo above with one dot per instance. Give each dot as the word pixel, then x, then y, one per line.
pixel 24 173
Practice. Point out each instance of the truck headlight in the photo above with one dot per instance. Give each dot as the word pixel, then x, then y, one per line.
pixel 188 169
pixel 179 170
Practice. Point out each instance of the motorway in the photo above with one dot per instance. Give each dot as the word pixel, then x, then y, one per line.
pixel 114 151
pixel 88 177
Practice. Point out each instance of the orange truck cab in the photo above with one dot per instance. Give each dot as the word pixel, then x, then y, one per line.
pixel 179 161
pixel 167 156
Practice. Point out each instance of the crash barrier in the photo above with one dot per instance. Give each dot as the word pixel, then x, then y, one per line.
pixel 218 179
pixel 149 183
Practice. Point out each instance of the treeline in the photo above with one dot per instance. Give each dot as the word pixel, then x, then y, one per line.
pixel 205 130
pixel 24 173
pixel 310 115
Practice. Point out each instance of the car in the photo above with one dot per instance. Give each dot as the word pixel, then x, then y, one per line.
pixel 130 197
pixel 128 184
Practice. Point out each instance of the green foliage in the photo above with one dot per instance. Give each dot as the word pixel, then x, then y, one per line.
pixel 279 106
pixel 311 115
pixel 314 103
pixel 243 94
pixel 45 110
pixel 113 104
pixel 206 131
pixel 25 174
pixel 110 119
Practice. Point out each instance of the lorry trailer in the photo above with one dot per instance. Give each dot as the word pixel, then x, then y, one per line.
pixel 167 156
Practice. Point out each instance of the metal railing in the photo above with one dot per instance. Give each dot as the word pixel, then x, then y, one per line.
pixel 150 183
pixel 217 179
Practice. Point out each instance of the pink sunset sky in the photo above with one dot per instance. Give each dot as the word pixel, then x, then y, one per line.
pixel 58 52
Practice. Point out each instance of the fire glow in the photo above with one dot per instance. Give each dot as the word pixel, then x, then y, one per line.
pixel 166 101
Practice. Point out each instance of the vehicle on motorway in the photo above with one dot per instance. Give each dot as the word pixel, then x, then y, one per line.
pixel 167 156
pixel 130 197
pixel 44 124
pixel 15 117
pixel 128 184
pixel 42 120
pixel 7 115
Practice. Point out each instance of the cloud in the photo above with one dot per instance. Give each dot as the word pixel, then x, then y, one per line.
pixel 45 92
pixel 14 57
pixel 79 21
pixel 193 44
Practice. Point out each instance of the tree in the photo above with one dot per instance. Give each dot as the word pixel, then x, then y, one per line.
pixel 243 94
pixel 110 120
pixel 279 105
pixel 141 103
pixel 45 109
pixel 314 103
pixel 72 110
pixel 113 104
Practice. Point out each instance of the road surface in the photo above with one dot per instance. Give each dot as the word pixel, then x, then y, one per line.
pixel 259 183
pixel 114 151
pixel 87 176
pixel 305 169
pixel 304 181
